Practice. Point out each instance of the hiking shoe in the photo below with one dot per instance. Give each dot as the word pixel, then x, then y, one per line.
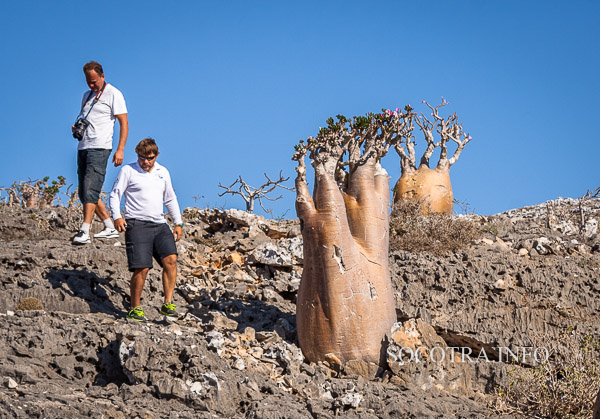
pixel 136 314
pixel 169 309
pixel 81 238
pixel 107 233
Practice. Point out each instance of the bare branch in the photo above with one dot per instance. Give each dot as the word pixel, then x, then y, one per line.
pixel 592 194
pixel 250 193
pixel 448 129
pixel 427 129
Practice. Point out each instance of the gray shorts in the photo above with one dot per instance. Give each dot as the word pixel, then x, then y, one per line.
pixel 145 240
pixel 91 169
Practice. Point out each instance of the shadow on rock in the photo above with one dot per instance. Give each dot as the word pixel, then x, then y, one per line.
pixel 109 368
pixel 81 288
pixel 259 315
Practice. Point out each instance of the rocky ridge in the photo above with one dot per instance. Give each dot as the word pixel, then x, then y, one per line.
pixel 234 353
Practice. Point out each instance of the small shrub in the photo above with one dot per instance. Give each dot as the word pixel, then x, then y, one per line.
pixel 434 233
pixel 33 193
pixel 565 386
pixel 30 303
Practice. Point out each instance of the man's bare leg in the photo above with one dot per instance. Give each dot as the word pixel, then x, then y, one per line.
pixel 88 212
pixel 101 210
pixel 169 276
pixel 90 209
pixel 136 286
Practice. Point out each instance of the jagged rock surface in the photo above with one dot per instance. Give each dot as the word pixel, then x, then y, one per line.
pixel 234 352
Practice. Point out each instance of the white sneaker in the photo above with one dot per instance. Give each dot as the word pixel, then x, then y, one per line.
pixel 107 233
pixel 81 238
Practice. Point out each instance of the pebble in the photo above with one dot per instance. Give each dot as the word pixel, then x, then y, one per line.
pixel 10 383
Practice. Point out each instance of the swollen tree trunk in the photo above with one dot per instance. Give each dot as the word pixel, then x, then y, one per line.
pixel 345 304
pixel 432 187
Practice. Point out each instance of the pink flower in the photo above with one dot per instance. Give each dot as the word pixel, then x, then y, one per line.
pixel 423 101
pixel 470 138
pixel 397 109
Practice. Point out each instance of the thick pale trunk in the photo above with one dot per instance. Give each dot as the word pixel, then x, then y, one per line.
pixel 345 304
pixel 432 186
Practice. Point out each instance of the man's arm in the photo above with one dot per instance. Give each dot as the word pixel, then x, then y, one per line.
pixel 170 201
pixel 123 132
pixel 114 199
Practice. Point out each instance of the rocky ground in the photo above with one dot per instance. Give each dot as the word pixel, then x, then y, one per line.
pixel 68 351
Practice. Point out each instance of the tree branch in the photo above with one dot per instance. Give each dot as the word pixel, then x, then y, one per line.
pixel 250 193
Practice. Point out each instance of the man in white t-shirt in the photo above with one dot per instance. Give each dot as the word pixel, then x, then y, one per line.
pixel 100 107
pixel 147 187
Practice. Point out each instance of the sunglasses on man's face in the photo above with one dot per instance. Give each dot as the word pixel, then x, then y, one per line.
pixel 149 158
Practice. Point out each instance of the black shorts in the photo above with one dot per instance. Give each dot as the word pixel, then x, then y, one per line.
pixel 91 169
pixel 145 240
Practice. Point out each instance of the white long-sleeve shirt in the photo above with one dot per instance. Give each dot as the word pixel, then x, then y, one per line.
pixel 145 194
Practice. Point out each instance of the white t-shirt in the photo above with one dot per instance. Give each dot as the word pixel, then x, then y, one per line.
pixel 145 194
pixel 99 134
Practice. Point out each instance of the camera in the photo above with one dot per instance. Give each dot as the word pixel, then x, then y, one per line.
pixel 80 127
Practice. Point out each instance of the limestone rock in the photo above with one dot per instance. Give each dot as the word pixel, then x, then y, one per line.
pixel 283 253
pixel 234 353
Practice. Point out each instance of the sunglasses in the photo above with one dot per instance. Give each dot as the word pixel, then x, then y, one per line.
pixel 149 158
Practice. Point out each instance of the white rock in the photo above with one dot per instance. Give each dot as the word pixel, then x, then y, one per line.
pixel 10 383
pixel 564 227
pixel 216 342
pixel 283 252
pixel 211 379
pixel 351 399
pixel 326 395
pixel 500 284
pixel 590 228
pixel 175 329
pixel 542 245
pixel 196 387
pixel 256 352
pixel 239 364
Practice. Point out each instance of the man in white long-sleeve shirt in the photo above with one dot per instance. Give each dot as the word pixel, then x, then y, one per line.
pixel 147 188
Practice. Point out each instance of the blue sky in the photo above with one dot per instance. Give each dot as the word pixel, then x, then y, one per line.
pixel 228 88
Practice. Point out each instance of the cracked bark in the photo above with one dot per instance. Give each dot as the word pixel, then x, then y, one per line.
pixel 345 304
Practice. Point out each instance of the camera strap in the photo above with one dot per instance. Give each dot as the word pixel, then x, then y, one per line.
pixel 96 99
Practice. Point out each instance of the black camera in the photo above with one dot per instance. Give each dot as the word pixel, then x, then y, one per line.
pixel 80 127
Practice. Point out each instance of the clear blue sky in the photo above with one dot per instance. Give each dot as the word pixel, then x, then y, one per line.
pixel 228 88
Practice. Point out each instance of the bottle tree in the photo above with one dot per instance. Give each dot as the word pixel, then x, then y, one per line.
pixel 345 304
pixel 432 187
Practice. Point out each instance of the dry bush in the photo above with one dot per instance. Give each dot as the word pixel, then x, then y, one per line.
pixel 30 303
pixel 565 386
pixel 33 193
pixel 434 233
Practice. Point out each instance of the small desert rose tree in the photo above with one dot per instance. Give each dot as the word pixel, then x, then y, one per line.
pixel 345 305
pixel 432 187
pixel 34 193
